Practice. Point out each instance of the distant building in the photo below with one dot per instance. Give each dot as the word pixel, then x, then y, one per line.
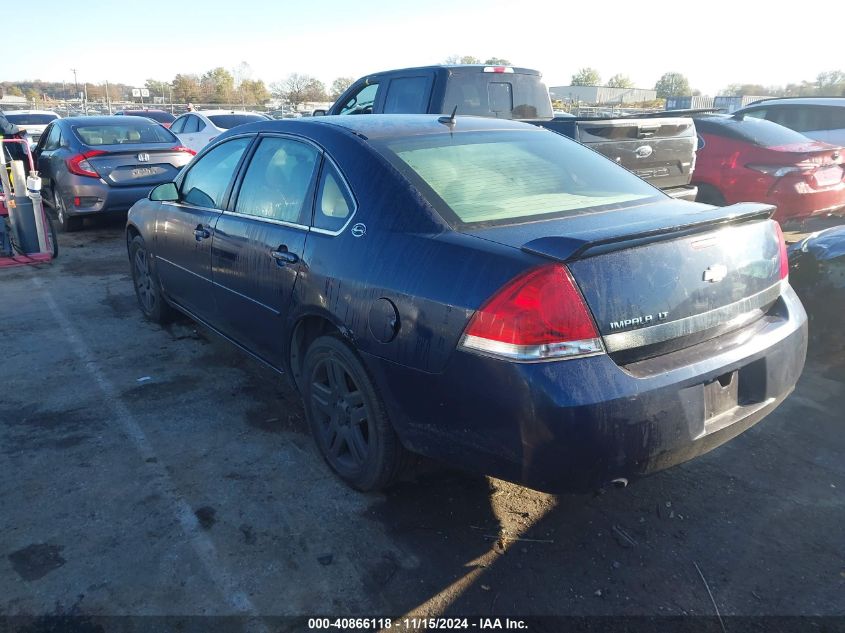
pixel 12 100
pixel 600 95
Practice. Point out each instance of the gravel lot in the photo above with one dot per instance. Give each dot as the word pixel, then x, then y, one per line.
pixel 152 471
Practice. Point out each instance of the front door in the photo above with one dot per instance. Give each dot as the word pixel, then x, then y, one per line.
pixel 184 229
pixel 258 245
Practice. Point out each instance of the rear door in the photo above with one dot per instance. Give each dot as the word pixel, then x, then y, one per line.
pixel 184 229
pixel 661 151
pixel 258 244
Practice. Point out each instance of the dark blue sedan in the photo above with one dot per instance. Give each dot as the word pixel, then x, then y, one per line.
pixel 479 291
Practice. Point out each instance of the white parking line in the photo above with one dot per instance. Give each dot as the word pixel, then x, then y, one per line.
pixel 228 586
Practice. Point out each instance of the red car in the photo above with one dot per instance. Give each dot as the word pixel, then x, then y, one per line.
pixel 160 116
pixel 753 160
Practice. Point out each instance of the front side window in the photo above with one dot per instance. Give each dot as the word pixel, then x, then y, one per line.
pixel 277 184
pixel 206 183
pixel 500 177
pixel 362 101
pixel 334 202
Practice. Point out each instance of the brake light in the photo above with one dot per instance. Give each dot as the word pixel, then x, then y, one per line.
pixel 182 148
pixel 784 257
pixel 80 166
pixel 498 69
pixel 539 315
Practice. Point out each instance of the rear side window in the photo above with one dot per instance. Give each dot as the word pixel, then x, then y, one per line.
pixel 362 101
pixel 407 95
pixel 191 125
pixel 334 202
pixel 801 118
pixel 125 132
pixel 53 138
pixel 278 181
pixel 507 177
pixel 228 121
pixel 208 179
pixel 751 130
pixel 500 95
pixel 179 125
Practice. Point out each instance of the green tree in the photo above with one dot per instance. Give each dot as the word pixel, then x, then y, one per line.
pixel 254 91
pixel 462 59
pixel 218 85
pixel 620 81
pixel 672 85
pixel 340 85
pixel 497 61
pixel 157 88
pixel 15 91
pixel 586 77
pixel 186 88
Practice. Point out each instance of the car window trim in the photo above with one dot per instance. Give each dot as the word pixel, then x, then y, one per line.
pixel 348 189
pixel 227 196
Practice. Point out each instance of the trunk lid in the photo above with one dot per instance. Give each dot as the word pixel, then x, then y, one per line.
pixel 661 151
pixel 138 164
pixel 662 276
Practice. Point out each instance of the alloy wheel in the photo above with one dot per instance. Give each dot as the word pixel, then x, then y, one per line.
pixel 144 281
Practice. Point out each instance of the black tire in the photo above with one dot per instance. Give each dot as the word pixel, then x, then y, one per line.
pixel 68 223
pixel 710 195
pixel 147 288
pixel 54 240
pixel 347 417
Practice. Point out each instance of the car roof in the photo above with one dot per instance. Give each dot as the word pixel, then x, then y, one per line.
pixel 213 112
pixel 452 67
pixel 99 120
pixel 7 112
pixel 824 101
pixel 387 126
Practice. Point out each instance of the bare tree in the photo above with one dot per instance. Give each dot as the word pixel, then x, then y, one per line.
pixel 340 85
pixel 297 89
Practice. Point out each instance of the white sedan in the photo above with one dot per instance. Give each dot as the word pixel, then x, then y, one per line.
pixel 33 122
pixel 195 130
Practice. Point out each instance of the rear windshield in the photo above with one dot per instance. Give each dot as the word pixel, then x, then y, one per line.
pixel 497 177
pixel 161 117
pixel 123 133
pixel 751 130
pixel 228 121
pixel 30 119
pixel 500 95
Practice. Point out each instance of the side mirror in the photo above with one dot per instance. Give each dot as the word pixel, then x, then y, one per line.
pixel 320 112
pixel 165 192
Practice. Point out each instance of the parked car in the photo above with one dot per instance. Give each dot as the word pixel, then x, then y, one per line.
pixel 480 291
pixel 198 129
pixel 32 122
pixel 747 159
pixel 820 118
pixel 161 116
pixel 659 150
pixel 93 165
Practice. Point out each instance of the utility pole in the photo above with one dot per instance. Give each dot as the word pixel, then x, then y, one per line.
pixel 108 97
pixel 75 83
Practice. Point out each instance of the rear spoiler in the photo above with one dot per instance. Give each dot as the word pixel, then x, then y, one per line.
pixel 609 238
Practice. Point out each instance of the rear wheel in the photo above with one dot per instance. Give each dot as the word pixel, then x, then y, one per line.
pixel 347 417
pixel 145 280
pixel 67 222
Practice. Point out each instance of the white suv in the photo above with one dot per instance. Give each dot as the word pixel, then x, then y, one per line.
pixel 820 118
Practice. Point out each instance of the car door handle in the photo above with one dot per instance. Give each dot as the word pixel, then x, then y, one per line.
pixel 283 256
pixel 201 233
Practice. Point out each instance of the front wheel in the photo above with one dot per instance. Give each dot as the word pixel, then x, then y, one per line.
pixel 147 288
pixel 347 417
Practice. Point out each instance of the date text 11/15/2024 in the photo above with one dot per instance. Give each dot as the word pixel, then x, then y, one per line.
pixel 416 624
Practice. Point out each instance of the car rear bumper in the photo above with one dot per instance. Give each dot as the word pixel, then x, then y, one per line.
pixel 581 423
pixel 95 196
pixel 797 204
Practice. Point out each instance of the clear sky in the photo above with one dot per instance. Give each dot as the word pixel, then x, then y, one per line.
pixel 714 43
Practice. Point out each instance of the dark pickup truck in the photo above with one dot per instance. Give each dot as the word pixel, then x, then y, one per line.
pixel 659 150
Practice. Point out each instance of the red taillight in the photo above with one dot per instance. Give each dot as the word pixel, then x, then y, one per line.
pixel 784 257
pixel 182 148
pixel 498 69
pixel 80 166
pixel 538 315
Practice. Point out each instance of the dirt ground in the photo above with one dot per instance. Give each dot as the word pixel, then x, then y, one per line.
pixel 151 471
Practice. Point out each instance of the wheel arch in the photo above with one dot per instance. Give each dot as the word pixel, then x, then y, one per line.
pixel 307 327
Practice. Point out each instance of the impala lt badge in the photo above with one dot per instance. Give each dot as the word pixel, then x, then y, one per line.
pixel 716 272
pixel 646 319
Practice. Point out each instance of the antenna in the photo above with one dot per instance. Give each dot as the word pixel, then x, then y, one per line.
pixel 449 120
